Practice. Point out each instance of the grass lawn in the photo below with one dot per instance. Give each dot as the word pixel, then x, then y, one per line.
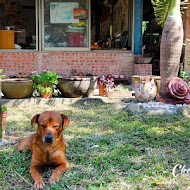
pixel 108 149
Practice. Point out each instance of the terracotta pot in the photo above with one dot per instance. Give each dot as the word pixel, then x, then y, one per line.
pixel 47 95
pixel 102 90
pixel 3 116
pixel 17 88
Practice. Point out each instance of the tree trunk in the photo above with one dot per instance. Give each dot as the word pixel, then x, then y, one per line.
pixel 171 46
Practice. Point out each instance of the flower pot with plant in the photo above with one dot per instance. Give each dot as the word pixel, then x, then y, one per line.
pixel 45 83
pixel 3 117
pixel 105 84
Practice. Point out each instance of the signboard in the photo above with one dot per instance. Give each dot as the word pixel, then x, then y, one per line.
pixel 62 12
pixel 80 13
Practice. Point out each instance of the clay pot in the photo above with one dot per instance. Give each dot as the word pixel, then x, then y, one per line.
pixel 3 116
pixel 47 95
pixel 17 88
pixel 77 87
pixel 147 79
pixel 145 91
pixel 102 90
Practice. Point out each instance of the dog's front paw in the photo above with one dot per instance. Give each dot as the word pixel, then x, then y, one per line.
pixel 54 179
pixel 39 184
pixel 19 147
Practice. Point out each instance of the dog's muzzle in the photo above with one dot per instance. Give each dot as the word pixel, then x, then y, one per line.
pixel 48 138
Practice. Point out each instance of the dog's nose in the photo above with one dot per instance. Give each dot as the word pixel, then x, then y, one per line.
pixel 48 138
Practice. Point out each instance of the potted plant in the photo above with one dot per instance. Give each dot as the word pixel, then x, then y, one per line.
pixel 185 76
pixel 1 76
pixel 3 117
pixel 45 83
pixel 105 84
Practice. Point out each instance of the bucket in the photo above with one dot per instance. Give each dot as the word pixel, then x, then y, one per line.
pixel 7 38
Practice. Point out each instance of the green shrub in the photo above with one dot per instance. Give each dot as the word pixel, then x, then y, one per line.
pixel 45 82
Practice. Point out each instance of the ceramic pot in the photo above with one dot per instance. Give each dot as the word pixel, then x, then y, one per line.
pixel 147 79
pixel 3 116
pixel 145 91
pixel 77 86
pixel 17 88
pixel 46 95
pixel 102 90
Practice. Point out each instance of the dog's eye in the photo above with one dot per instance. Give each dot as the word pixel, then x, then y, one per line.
pixel 43 126
pixel 56 127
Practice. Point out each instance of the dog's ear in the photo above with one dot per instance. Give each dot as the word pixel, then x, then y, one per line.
pixel 34 119
pixel 66 120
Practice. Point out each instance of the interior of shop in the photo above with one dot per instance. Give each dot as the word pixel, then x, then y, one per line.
pixel 110 23
pixel 19 15
pixel 151 36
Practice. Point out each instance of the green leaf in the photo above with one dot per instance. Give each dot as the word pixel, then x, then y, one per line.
pixel 3 108
pixel 162 8
pixel 45 82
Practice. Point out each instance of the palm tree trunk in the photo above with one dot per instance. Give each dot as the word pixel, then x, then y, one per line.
pixel 171 46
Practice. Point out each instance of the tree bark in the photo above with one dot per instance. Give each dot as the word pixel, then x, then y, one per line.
pixel 171 46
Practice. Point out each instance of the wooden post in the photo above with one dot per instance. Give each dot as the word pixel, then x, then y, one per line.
pixel 138 18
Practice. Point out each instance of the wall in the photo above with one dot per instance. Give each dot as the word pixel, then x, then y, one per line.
pixel 97 63
pixel 186 19
pixel 143 69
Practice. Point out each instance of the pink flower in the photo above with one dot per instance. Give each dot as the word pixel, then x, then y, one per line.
pixel 106 81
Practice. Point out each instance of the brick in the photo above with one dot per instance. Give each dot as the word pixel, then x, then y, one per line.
pixel 96 63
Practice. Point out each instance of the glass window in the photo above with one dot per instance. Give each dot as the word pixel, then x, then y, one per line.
pixel 66 24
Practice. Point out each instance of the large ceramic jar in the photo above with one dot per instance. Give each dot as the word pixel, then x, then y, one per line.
pixel 77 86
pixel 17 88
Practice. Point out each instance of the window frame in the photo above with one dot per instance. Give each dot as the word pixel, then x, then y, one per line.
pixel 40 43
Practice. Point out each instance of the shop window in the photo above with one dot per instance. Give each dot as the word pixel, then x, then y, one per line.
pixel 111 22
pixel 19 17
pixel 66 24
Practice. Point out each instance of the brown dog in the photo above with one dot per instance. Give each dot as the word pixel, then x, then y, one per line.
pixel 47 145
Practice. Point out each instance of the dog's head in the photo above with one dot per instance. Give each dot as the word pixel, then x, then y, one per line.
pixel 50 125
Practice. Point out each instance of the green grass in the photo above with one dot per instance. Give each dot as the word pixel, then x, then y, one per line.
pixel 107 150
